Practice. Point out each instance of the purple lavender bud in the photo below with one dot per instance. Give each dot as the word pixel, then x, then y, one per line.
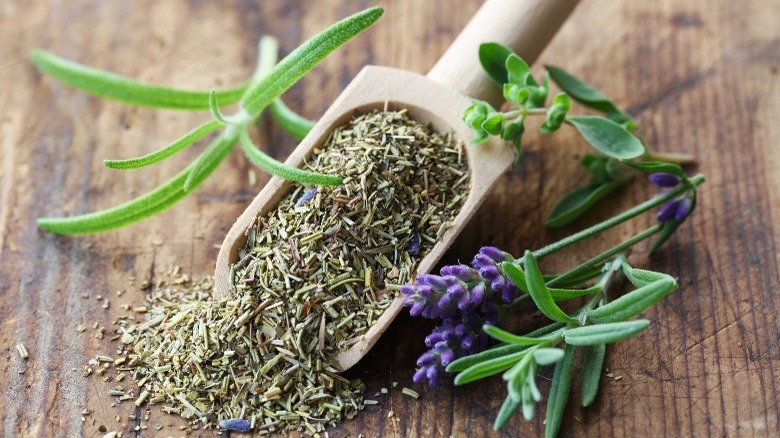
pixel 666 180
pixel 306 197
pixel 467 342
pixel 683 209
pixel 434 281
pixel 509 292
pixel 445 302
pixel 408 289
pixel 418 308
pixel 668 211
pixel 447 356
pixel 236 425
pixel 432 374
pixel 461 272
pixel 493 253
pixel 498 283
pixel 482 261
pixel 426 359
pixel 413 247
pixel 434 338
pixel 426 292
pixel 491 313
pixel 490 273
pixel 420 375
pixel 478 294
pixel 457 290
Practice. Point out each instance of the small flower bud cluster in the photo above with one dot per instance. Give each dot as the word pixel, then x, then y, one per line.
pixel 461 297
pixel 676 209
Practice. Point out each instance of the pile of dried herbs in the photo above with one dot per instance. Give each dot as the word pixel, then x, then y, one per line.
pixel 314 276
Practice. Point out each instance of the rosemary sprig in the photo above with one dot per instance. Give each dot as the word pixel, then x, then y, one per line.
pixel 261 91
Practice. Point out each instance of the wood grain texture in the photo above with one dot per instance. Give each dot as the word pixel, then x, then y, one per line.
pixel 700 76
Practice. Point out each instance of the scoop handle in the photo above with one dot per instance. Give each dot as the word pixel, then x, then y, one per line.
pixel 525 26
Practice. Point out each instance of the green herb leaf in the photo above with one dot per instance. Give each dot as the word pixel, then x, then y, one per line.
pixel 608 137
pixel 492 124
pixel 633 303
pixel 124 89
pixel 509 338
pixel 592 365
pixel 657 166
pixel 577 202
pixel 214 108
pixel 586 94
pixel 304 58
pixel 290 173
pixel 501 350
pixel 559 392
pixel 508 409
pixel 548 356
pixel 489 367
pixel 518 71
pixel 539 292
pixel 290 121
pixel 142 207
pixel 642 277
pixel 604 333
pixel 493 57
pixel 516 275
pixel 177 146
pixel 213 154
pixel 587 274
pixel 568 294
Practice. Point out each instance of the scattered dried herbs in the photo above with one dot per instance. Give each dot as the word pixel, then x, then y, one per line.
pixel 316 273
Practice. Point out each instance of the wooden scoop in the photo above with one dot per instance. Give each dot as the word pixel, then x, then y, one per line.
pixel 440 98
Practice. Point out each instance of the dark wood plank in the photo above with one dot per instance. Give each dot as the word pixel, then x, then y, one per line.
pixel 701 77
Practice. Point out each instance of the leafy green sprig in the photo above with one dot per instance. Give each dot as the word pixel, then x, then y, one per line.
pixel 604 318
pixel 612 134
pixel 260 92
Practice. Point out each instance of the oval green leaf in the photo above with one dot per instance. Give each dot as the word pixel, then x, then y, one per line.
pixel 539 292
pixel 608 137
pixel 548 356
pixel 592 365
pixel 584 93
pixel 604 333
pixel 559 392
pixel 657 166
pixel 493 57
pixel 633 303
pixel 577 202
pixel 510 338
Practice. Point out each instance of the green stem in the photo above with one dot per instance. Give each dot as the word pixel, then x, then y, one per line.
pixel 606 255
pixel 626 215
pixel 669 157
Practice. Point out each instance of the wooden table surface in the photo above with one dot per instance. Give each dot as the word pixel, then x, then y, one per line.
pixel 700 76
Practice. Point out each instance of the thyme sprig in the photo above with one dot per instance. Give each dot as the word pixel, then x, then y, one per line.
pixel 613 134
pixel 260 92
